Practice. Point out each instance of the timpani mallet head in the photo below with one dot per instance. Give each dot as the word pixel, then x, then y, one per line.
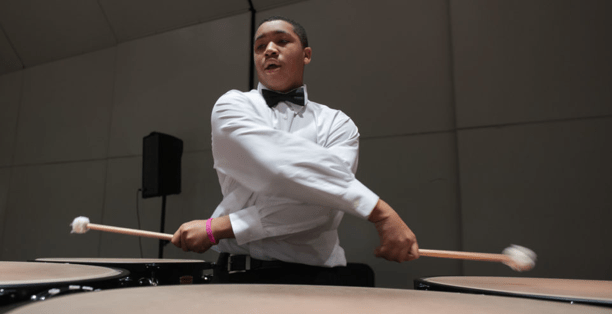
pixel 82 225
pixel 79 225
pixel 520 258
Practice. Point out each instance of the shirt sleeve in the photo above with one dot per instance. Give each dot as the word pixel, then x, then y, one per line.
pixel 277 163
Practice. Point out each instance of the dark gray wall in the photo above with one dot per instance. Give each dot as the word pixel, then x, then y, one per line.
pixel 483 123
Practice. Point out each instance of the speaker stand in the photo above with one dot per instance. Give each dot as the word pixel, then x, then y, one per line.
pixel 162 243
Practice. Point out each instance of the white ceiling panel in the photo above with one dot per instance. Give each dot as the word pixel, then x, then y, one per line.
pixel 9 61
pixel 269 4
pixel 34 32
pixel 138 18
pixel 43 31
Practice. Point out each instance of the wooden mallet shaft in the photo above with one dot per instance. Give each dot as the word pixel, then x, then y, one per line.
pixel 128 231
pixel 486 257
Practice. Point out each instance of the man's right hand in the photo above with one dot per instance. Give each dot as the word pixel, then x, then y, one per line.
pixel 397 242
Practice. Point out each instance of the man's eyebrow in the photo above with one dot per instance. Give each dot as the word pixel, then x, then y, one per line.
pixel 280 31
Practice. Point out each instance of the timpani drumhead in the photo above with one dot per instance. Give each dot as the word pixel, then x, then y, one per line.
pixel 573 290
pixel 15 274
pixel 271 299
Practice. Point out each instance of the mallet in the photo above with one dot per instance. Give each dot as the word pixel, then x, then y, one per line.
pixel 82 225
pixel 517 257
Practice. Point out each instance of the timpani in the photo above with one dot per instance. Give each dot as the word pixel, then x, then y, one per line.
pixel 22 281
pixel 569 290
pixel 148 271
pixel 283 299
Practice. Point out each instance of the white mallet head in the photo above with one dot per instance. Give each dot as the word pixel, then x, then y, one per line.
pixel 521 258
pixel 79 225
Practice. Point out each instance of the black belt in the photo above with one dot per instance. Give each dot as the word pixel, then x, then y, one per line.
pixel 238 263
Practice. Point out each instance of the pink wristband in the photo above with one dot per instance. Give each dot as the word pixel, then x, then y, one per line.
pixel 209 231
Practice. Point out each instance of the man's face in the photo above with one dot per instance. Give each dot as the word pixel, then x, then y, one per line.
pixel 279 56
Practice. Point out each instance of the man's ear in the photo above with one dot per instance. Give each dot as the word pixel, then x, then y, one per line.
pixel 307 55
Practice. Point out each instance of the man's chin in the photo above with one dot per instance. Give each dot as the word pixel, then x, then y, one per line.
pixel 278 86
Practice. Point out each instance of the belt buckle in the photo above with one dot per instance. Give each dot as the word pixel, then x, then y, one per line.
pixel 234 259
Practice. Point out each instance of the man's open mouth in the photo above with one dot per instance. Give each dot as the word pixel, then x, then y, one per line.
pixel 272 66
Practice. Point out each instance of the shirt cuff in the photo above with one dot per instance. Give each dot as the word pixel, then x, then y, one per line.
pixel 246 225
pixel 362 199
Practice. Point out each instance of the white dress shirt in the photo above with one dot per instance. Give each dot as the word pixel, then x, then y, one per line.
pixel 287 177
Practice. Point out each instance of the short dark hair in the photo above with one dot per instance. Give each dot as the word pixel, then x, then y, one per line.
pixel 297 28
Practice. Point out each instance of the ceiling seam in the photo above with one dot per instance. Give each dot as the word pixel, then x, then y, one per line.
pixel 252 52
pixel 185 25
pixel 8 39
pixel 110 26
pixel 279 5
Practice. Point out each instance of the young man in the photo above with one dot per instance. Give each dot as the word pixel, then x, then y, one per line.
pixel 286 167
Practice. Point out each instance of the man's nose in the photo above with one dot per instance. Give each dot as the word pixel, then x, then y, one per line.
pixel 271 49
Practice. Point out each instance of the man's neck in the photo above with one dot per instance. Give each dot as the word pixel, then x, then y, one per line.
pixel 282 91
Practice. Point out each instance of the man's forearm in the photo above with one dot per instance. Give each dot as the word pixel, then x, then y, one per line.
pixel 397 242
pixel 222 228
pixel 381 211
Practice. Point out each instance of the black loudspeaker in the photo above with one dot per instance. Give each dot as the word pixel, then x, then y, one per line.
pixel 161 165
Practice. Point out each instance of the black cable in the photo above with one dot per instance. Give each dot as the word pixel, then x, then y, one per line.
pixel 251 62
pixel 138 220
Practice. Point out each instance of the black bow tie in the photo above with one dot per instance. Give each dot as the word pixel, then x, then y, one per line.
pixel 272 98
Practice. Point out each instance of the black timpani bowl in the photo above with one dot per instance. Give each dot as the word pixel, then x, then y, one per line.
pixel 23 281
pixel 148 271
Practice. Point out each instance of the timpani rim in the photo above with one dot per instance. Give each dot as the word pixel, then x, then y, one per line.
pixel 445 286
pixel 116 260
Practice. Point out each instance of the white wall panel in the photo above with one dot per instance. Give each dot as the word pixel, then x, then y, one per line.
pixel 65 110
pixel 416 175
pixel 518 61
pixel 199 197
pixel 43 200
pixel 4 187
pixel 384 63
pixel 10 96
pixel 544 186
pixel 123 180
pixel 170 82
